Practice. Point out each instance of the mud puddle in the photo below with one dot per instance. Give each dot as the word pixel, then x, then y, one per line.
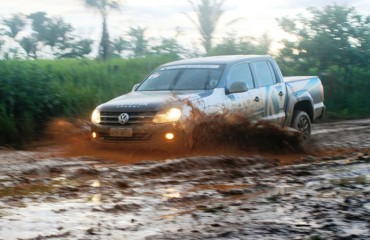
pixel 219 197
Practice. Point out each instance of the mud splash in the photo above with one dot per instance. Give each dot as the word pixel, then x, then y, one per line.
pixel 71 138
pixel 239 132
pixel 214 134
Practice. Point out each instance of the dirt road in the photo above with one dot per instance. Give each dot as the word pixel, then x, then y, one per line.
pixel 75 191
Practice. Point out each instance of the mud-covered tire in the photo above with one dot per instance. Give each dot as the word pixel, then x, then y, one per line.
pixel 302 123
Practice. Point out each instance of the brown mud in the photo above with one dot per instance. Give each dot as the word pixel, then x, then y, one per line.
pixel 230 134
pixel 236 131
pixel 68 188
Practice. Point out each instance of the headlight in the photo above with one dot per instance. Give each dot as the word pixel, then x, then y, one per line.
pixel 171 115
pixel 95 116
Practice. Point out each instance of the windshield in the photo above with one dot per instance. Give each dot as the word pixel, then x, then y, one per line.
pixel 183 77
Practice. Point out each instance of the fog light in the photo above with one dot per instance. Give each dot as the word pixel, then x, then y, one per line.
pixel 94 135
pixel 169 136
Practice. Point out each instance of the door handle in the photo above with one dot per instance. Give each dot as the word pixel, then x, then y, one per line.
pixel 256 99
pixel 281 93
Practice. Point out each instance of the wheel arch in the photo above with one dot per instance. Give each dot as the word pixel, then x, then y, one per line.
pixel 305 106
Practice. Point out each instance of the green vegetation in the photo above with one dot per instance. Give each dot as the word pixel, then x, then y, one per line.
pixel 31 92
pixel 333 43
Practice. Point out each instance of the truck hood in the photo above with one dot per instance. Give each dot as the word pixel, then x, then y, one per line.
pixel 150 101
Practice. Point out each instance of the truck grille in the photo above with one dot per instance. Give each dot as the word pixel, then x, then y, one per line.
pixel 136 118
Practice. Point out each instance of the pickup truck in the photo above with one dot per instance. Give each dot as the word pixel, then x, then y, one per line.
pixel 155 113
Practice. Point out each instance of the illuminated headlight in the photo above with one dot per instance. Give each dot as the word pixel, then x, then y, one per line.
pixel 171 115
pixel 95 116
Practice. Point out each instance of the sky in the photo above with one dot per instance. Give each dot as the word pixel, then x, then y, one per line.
pixel 165 18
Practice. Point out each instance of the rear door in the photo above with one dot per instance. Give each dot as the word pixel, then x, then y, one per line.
pixel 272 89
pixel 242 95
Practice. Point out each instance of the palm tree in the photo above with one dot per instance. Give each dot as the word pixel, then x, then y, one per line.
pixel 103 7
pixel 139 42
pixel 208 13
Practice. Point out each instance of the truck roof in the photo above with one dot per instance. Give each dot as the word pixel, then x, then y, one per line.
pixel 218 59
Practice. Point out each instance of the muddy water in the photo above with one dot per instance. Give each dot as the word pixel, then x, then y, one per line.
pixel 74 191
pixel 192 198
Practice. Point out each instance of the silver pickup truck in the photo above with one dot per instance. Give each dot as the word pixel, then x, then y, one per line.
pixel 155 113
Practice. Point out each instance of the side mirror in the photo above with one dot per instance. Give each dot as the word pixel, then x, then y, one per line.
pixel 134 88
pixel 237 87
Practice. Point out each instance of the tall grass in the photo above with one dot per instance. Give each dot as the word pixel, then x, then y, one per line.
pixel 31 92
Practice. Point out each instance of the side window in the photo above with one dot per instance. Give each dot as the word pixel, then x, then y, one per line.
pixel 264 73
pixel 240 75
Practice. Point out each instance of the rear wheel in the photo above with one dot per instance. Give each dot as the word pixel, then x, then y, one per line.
pixel 301 122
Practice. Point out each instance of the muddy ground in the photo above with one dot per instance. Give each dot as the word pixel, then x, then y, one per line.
pixel 67 188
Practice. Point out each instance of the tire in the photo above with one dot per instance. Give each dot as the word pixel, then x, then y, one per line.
pixel 302 123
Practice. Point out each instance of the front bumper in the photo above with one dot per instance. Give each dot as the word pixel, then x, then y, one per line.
pixel 154 135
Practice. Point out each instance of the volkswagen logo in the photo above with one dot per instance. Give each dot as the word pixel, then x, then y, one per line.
pixel 123 118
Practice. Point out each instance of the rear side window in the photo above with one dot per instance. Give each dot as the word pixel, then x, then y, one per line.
pixel 264 73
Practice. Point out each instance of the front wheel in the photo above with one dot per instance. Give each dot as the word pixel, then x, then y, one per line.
pixel 302 123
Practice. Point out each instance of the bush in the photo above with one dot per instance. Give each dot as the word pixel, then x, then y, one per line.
pixel 28 99
pixel 31 92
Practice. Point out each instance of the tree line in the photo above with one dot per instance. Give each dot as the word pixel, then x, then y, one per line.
pixel 52 37
pixel 334 43
pixel 333 35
